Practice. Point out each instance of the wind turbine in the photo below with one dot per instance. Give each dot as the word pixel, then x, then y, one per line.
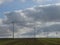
pixel 34 31
pixel 13 23
pixel 56 34
pixel 47 33
pixel 13 28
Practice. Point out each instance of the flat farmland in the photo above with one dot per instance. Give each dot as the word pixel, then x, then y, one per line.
pixel 30 41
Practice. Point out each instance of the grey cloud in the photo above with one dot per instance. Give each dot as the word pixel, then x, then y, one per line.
pixel 3 1
pixel 42 14
pixel 19 20
pixel 50 13
pixel 4 31
pixel 50 29
pixel 46 1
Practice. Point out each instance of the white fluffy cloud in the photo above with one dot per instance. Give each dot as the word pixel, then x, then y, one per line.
pixel 44 13
pixel 35 20
pixel 1 21
pixel 35 1
pixel 46 1
pixel 23 1
pixel 40 0
pixel 2 1
pixel 4 30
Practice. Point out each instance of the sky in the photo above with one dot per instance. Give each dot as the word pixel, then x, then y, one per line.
pixel 31 17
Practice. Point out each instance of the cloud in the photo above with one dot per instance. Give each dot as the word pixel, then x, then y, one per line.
pixel 23 1
pixel 39 0
pixel 44 13
pixel 47 1
pixel 42 31
pixel 3 1
pixel 4 31
pixel 38 18
pixel 1 21
pixel 35 1
pixel 42 1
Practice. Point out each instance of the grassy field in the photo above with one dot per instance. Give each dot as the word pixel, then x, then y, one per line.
pixel 31 41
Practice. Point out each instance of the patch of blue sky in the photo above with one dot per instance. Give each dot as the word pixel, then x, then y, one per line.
pixel 15 5
pixel 18 5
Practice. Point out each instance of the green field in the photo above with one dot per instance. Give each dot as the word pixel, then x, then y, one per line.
pixel 31 41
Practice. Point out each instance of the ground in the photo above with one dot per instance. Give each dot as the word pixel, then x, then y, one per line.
pixel 30 41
